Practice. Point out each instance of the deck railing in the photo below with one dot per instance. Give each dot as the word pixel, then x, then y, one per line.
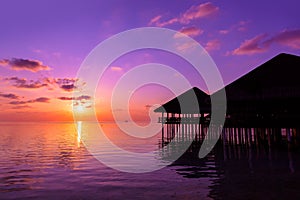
pixel 184 120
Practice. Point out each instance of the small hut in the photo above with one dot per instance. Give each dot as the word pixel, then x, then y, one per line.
pixel 192 113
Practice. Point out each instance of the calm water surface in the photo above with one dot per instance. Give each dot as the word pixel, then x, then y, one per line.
pixel 48 161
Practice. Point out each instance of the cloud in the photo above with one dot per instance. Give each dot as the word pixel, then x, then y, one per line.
pixel 24 64
pixel 116 68
pixel 155 19
pixel 37 100
pixel 66 84
pixel 21 107
pixel 80 98
pixel 187 46
pixel 252 46
pixel 240 26
pixel 190 31
pixel 198 11
pixel 224 31
pixel 261 43
pixel 194 12
pixel 66 98
pixel 18 102
pixel 290 38
pixel 41 100
pixel 9 96
pixel 213 45
pixel 68 87
pixel 24 83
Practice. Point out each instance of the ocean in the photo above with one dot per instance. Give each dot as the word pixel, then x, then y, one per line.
pixel 48 160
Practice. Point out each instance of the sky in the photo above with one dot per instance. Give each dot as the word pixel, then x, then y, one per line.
pixel 43 44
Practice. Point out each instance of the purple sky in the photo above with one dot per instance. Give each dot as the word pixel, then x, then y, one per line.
pixel 239 35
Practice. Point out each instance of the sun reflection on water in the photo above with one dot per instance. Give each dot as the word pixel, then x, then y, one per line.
pixel 79 123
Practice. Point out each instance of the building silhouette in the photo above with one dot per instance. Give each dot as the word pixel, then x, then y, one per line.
pixel 267 96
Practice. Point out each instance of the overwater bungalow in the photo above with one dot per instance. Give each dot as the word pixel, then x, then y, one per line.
pixel 266 97
pixel 192 113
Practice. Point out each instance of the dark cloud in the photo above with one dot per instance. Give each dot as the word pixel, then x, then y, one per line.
pixel 68 87
pixel 24 64
pixel 9 96
pixel 66 98
pixel 41 100
pixel 24 83
pixel 66 84
pixel 37 100
pixel 80 98
pixel 21 107
pixel 18 102
pixel 84 97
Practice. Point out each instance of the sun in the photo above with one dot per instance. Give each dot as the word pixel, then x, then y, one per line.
pixel 78 108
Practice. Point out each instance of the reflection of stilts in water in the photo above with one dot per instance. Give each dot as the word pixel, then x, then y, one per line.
pixel 291 162
pixel 254 143
pixel 79 133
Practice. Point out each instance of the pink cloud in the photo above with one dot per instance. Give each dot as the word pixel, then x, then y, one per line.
pixel 198 11
pixel 213 45
pixel 155 19
pixel 24 64
pixel 261 43
pixel 224 32
pixel 290 38
pixel 193 13
pixel 241 26
pixel 164 23
pixel 190 31
pixel 116 68
pixel 186 46
pixel 252 46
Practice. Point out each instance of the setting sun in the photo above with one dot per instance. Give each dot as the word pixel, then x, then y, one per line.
pixel 79 108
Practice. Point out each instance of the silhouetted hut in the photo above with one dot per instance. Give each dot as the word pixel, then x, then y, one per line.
pixel 191 113
pixel 267 96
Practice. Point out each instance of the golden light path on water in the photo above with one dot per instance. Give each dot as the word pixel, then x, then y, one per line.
pixel 79 133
